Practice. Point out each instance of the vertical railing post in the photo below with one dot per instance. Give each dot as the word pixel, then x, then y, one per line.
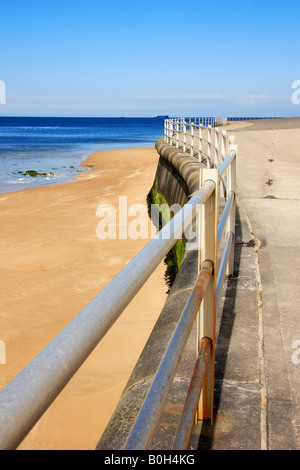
pixel 168 131
pixel 224 152
pixel 224 147
pixel 208 146
pixel 231 187
pixel 208 236
pixel 177 134
pixel 171 131
pixel 192 138
pixel 165 130
pixel 200 142
pixel 184 136
pixel 216 143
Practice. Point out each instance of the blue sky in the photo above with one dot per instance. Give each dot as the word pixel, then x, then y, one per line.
pixel 140 58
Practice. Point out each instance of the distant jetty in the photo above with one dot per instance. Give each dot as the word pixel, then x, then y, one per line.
pixel 165 116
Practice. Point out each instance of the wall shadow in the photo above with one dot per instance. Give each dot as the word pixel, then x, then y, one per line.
pixel 226 322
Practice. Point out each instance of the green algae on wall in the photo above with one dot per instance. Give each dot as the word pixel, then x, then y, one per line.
pixel 168 189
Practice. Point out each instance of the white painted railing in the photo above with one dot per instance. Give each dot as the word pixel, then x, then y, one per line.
pixel 209 143
pixel 219 152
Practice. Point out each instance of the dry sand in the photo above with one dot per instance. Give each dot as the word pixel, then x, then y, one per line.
pixel 52 266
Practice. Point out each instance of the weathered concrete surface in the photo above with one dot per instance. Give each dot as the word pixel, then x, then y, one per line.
pixel 266 415
pixel 237 375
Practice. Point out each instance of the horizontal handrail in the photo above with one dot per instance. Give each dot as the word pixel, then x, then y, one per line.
pixel 144 428
pixel 226 162
pixel 222 267
pixel 225 214
pixel 195 136
pixel 28 396
pixel 196 148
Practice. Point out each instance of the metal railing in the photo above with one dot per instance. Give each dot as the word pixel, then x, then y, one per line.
pixel 199 399
pixel 29 395
pixel 209 143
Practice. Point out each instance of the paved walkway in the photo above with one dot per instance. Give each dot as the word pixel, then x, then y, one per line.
pixel 258 347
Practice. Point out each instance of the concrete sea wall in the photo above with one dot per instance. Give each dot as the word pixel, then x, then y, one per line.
pixel 176 179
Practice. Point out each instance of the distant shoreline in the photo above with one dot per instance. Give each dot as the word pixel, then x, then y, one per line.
pixel 55 147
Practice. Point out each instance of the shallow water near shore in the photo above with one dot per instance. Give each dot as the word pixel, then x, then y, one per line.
pixel 58 146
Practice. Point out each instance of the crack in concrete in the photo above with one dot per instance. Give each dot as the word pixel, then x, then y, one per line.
pixel 261 356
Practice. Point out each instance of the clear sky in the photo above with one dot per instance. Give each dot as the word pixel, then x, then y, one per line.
pixel 146 57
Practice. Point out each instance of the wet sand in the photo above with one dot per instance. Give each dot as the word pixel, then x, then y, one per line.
pixel 52 265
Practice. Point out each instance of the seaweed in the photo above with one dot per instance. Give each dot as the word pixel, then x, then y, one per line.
pixel 34 173
pixel 174 257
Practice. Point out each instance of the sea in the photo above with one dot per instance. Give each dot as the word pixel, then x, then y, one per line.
pixel 36 151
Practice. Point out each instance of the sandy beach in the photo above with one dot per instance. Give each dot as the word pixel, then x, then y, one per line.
pixel 52 265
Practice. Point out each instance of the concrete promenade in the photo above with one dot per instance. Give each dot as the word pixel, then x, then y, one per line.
pixel 258 349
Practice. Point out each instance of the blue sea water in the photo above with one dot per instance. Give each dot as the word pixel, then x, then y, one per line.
pixel 59 145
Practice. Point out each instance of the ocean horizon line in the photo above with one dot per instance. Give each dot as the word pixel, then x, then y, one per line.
pixel 148 117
